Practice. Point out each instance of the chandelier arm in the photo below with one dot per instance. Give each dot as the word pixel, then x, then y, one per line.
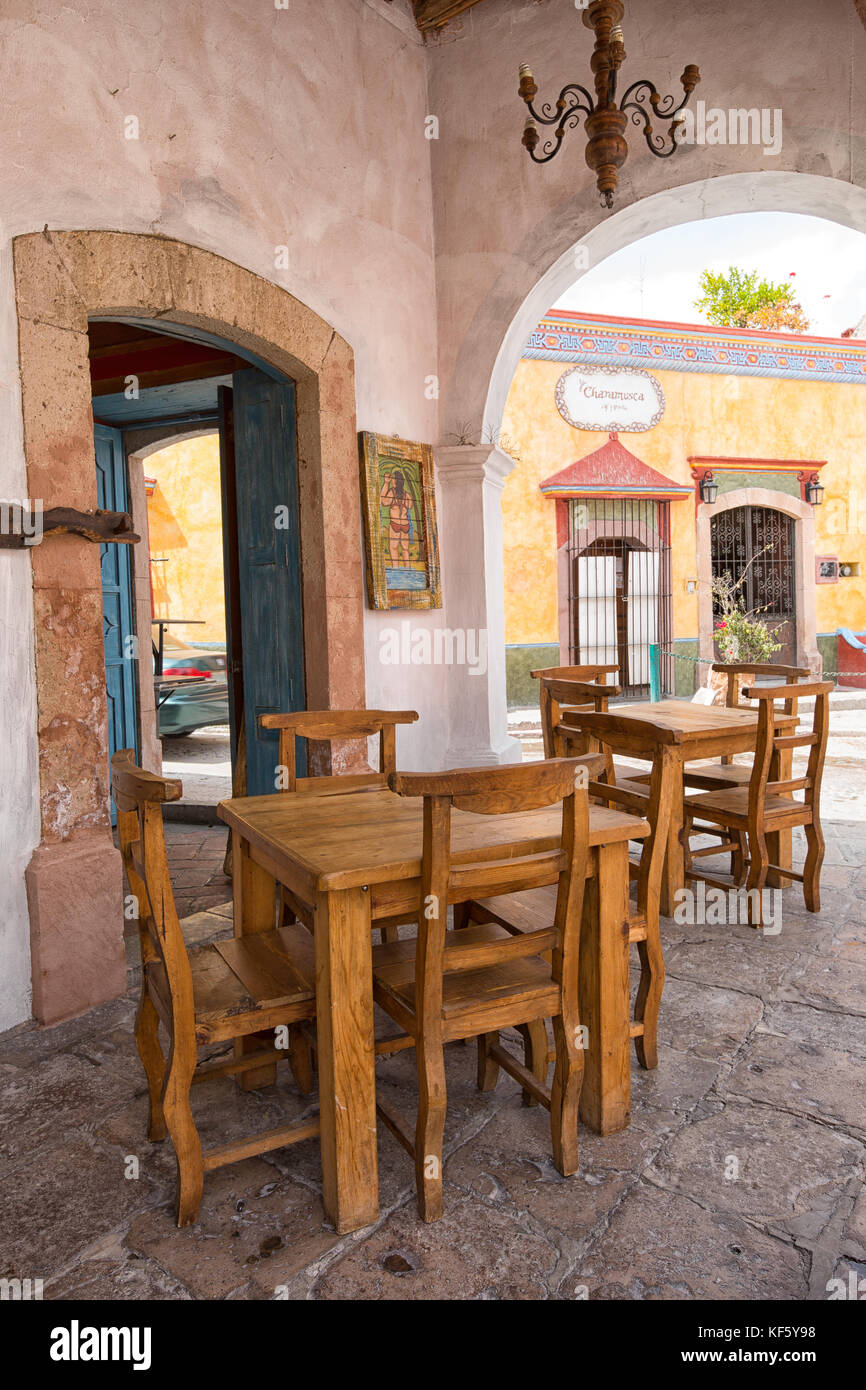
pixel 664 110
pixel 550 114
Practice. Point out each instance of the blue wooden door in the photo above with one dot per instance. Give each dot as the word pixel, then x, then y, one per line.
pixel 269 563
pixel 117 622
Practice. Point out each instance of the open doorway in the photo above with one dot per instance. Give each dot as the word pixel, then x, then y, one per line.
pixel 198 443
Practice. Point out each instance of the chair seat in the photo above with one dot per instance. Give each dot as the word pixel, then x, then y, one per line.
pixel 716 775
pixel 530 911
pixel 526 982
pixel 731 807
pixel 238 981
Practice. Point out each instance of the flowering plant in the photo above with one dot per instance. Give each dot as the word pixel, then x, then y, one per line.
pixel 741 635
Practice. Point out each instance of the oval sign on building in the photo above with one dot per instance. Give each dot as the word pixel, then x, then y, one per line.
pixel 609 398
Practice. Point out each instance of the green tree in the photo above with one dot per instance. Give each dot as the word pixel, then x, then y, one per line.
pixel 739 299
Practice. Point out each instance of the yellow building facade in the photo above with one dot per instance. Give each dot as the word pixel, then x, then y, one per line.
pixel 184 516
pixel 764 421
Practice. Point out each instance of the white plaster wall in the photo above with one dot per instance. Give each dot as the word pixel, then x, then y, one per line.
pixel 19 767
pixel 502 221
pixel 258 128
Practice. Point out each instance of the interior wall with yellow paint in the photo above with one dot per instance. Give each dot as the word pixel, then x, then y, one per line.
pixel 184 515
pixel 705 414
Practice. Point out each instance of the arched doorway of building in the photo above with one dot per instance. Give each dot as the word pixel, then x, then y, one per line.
pixel 66 280
pixel 174 379
pixel 755 548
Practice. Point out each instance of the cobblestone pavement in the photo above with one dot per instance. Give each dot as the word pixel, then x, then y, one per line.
pixel 740 1176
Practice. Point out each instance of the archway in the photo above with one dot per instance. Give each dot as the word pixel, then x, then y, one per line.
pixel 756 191
pixel 805 648
pixel 488 360
pixel 62 280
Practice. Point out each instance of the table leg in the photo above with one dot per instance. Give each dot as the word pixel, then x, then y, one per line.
pixel 674 874
pixel 253 895
pixel 605 1099
pixel 347 1081
pixel 780 846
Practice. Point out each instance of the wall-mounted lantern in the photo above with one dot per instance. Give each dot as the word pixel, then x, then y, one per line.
pixel 709 488
pixel 814 490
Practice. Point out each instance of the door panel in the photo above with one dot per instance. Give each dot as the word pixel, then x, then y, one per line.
pixel 117 610
pixel 596 610
pixel 642 615
pixel 269 567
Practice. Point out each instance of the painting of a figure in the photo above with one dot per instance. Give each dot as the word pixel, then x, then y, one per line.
pixel 399 516
pixel 402 522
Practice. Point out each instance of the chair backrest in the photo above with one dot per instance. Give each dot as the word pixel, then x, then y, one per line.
pixel 444 878
pixel 789 675
pixel 139 798
pixel 570 687
pixel 770 742
pixel 704 695
pixel 642 739
pixel 324 725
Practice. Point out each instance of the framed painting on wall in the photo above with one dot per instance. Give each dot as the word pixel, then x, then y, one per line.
pixel 401 539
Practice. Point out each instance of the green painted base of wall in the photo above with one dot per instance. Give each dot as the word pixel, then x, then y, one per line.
pixel 827 644
pixel 520 689
pixel 687 676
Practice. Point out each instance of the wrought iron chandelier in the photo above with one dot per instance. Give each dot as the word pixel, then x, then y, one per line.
pixel 606 121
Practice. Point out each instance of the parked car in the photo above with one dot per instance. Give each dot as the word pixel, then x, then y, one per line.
pixel 184 711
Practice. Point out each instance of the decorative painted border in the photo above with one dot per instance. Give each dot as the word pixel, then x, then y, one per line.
pixel 630 427
pixel 592 340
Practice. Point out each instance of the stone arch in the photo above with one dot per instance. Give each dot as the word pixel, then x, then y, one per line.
pixel 755 191
pixel 804 544
pixel 62 279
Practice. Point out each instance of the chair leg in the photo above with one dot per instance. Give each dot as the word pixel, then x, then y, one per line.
pixel 430 1128
pixel 648 1001
pixel 757 876
pixel 488 1069
pixel 738 859
pixel 153 1061
pixel 687 833
pixel 388 935
pixel 184 1135
pixel 565 1095
pixel 812 867
pixel 301 1058
pixel 535 1050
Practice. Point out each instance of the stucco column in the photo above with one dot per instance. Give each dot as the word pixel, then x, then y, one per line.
pixel 470 479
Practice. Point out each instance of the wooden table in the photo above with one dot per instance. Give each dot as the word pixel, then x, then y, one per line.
pixel 708 731
pixel 356 857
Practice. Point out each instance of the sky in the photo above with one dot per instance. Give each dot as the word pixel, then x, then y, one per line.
pixel 657 277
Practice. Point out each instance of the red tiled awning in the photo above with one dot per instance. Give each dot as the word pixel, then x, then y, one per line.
pixel 613 471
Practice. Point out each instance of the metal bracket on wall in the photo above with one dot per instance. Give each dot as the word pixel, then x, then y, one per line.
pixel 23 527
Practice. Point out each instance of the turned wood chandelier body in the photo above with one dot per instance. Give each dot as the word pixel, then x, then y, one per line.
pixel 606 121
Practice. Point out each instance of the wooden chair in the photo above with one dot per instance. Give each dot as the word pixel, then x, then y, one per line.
pixel 225 991
pixel 728 773
pixel 522 912
pixel 322 726
pixel 766 805
pixel 450 985
pixel 584 684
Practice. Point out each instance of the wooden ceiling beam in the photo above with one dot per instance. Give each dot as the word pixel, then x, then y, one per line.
pixel 432 14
